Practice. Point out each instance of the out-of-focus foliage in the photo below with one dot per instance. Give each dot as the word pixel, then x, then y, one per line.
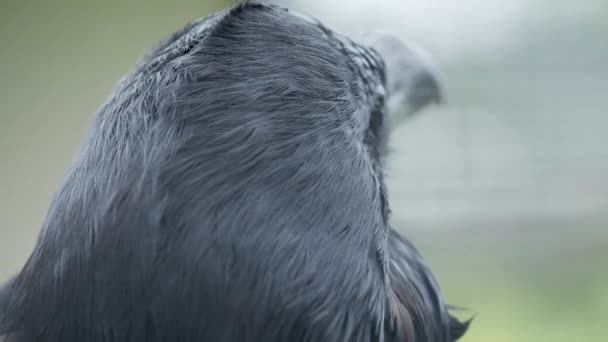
pixel 504 189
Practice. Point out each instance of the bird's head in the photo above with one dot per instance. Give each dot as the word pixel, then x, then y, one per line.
pixel 298 72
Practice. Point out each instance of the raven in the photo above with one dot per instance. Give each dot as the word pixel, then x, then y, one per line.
pixel 231 189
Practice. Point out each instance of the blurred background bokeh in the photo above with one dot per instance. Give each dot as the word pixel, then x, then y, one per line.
pixel 504 189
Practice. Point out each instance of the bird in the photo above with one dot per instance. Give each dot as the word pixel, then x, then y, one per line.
pixel 232 189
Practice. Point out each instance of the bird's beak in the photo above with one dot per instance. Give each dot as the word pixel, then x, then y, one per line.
pixel 413 80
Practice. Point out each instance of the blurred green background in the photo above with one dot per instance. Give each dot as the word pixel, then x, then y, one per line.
pixel 504 189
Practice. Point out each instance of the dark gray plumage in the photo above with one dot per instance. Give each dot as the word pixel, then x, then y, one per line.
pixel 230 190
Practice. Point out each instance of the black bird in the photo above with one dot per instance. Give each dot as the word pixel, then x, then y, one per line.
pixel 231 189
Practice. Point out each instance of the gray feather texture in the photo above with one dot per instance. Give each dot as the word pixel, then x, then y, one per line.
pixel 231 189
